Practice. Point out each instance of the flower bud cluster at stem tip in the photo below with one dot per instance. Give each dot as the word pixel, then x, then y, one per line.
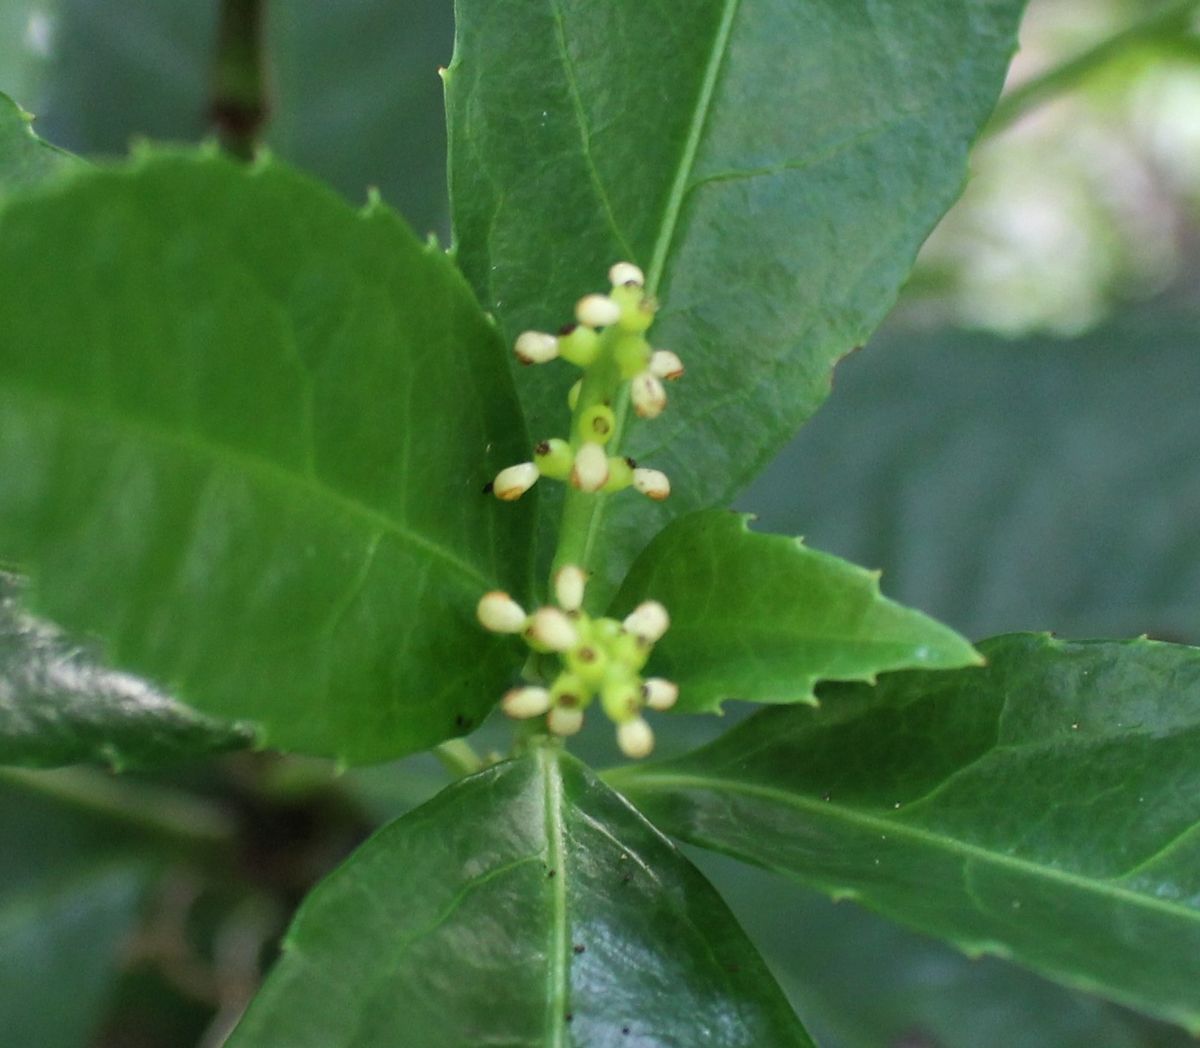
pixel 600 658
pixel 608 342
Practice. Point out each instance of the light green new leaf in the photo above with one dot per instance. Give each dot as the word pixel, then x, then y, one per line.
pixel 528 906
pixel 773 166
pixel 24 158
pixel 61 705
pixel 1045 808
pixel 244 433
pixel 763 617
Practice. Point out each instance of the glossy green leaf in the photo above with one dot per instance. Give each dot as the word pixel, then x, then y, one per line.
pixel 244 433
pixel 24 158
pixel 1013 485
pixel 773 167
pixel 1044 808
pixel 69 893
pixel 60 705
pixel 525 906
pixel 763 617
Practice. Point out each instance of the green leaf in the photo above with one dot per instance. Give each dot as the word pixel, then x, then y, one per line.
pixel 773 167
pixel 1013 484
pixel 69 892
pixel 1043 809
pixel 60 705
pixel 763 617
pixel 25 159
pixel 244 433
pixel 525 906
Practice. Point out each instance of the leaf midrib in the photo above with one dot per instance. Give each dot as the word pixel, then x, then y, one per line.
pixel 556 967
pixel 374 519
pixel 875 824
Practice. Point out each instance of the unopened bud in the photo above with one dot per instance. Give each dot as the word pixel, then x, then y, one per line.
pixel 579 345
pixel 573 394
pixel 563 721
pixel 648 396
pixel 553 458
pixel 551 630
pixel 660 694
pixel 635 738
pixel 499 613
pixel 523 703
pixel 590 470
pixel 569 583
pixel 597 424
pixel 513 482
pixel 652 483
pixel 665 364
pixel 597 311
pixel 626 273
pixel 649 620
pixel 535 347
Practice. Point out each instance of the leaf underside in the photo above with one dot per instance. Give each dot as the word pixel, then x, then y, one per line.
pixel 244 433
pixel 525 906
pixel 763 617
pixel 773 166
pixel 1045 808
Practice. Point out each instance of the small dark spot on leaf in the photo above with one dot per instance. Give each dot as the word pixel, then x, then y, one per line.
pixel 625 1030
pixel 733 969
pixel 579 947
pixel 570 1016
pixel 487 488
pixel 550 873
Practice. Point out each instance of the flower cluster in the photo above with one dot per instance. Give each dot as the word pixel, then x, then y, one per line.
pixel 609 343
pixel 601 658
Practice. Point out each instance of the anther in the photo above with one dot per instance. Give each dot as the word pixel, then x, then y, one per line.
pixel 597 311
pixel 535 347
pixel 523 703
pixel 649 621
pixel 550 629
pixel 635 738
pixel 652 483
pixel 513 482
pixel 624 273
pixel 569 583
pixel 648 396
pixel 665 364
pixel 499 613
pixel 590 471
pixel 660 694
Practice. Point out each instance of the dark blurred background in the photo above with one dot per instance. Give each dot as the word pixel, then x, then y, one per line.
pixel 1018 448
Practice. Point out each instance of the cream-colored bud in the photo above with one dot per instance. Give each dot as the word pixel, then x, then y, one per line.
pixel 499 613
pixel 564 721
pixel 513 482
pixel 550 628
pixel 648 396
pixel 535 347
pixel 665 364
pixel 524 703
pixel 649 620
pixel 626 273
pixel 590 470
pixel 635 738
pixel 652 483
pixel 659 694
pixel 597 311
pixel 569 583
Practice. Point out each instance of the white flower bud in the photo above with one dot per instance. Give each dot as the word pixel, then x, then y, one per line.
pixel 564 721
pixel 659 694
pixel 665 364
pixel 597 311
pixel 648 396
pixel 649 620
pixel 535 347
pixel 550 628
pixel 524 703
pixel 626 273
pixel 590 470
pixel 499 613
pixel 652 483
pixel 513 482
pixel 635 738
pixel 569 582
